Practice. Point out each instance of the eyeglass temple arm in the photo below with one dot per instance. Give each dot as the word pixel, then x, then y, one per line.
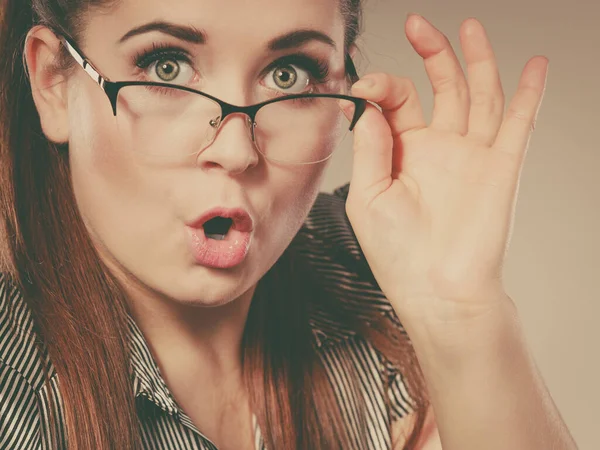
pixel 360 106
pixel 351 69
pixel 84 63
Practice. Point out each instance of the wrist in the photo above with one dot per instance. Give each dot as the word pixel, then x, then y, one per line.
pixel 484 365
pixel 456 331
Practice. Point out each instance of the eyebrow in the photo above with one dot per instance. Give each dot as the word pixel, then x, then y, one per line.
pixel 298 38
pixel 194 35
pixel 185 33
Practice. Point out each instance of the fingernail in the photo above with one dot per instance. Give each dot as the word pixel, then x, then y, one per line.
pixel 364 83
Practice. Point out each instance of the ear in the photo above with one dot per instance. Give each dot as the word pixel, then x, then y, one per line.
pixel 48 84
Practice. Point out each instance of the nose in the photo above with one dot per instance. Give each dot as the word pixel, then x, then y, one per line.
pixel 232 149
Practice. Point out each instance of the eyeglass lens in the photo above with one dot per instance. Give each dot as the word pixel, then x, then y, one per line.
pixel 172 124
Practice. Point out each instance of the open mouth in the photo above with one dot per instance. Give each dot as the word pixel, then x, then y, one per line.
pixel 221 237
pixel 217 227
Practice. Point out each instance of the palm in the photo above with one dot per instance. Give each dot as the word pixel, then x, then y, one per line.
pixel 433 213
pixel 442 196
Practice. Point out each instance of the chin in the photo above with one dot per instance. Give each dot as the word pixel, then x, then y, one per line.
pixel 209 303
pixel 205 287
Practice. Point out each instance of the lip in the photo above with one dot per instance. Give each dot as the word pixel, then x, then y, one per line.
pixel 242 221
pixel 226 253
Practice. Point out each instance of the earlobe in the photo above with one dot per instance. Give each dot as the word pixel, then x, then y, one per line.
pixel 352 51
pixel 48 85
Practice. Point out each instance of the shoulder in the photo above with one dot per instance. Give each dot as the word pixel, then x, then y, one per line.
pixel 20 412
pixel 20 418
pixel 19 344
pixel 23 393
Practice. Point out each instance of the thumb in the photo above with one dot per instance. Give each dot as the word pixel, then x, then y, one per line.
pixel 373 148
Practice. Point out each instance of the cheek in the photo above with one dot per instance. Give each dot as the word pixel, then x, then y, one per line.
pixel 294 196
pixel 293 189
pixel 120 200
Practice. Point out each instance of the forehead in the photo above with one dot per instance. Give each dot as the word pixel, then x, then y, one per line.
pixel 234 22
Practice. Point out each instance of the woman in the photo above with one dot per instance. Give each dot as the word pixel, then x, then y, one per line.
pixel 173 278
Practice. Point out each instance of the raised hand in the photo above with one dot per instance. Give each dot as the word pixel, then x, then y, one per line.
pixel 432 205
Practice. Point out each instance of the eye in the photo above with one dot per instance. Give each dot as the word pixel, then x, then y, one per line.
pixel 170 70
pixel 166 65
pixel 288 78
pixel 297 74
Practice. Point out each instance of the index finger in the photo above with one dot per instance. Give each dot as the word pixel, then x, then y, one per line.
pixel 397 98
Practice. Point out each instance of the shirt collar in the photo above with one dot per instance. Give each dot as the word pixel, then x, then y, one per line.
pixel 149 383
pixel 145 374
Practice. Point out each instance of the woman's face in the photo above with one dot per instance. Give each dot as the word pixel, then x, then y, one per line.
pixel 143 213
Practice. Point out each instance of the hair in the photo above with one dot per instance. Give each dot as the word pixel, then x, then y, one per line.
pixel 61 277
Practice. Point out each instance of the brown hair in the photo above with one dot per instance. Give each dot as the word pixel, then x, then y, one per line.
pixel 60 275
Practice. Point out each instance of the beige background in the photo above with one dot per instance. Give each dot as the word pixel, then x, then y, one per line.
pixel 553 265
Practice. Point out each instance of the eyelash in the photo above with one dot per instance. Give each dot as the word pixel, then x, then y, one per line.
pixel 145 58
pixel 316 67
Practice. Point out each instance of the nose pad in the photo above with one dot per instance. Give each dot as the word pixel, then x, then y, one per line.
pixel 227 154
pixel 252 126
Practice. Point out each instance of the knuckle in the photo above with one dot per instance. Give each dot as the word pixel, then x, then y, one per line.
pixel 482 99
pixel 446 83
pixel 528 95
pixel 453 85
pixel 410 83
pixel 406 83
pixel 487 102
pixel 403 88
pixel 519 114
pixel 528 90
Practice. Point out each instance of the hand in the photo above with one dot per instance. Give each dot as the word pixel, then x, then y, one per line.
pixel 432 205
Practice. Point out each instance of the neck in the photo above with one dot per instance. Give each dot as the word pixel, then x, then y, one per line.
pixel 191 344
pixel 198 351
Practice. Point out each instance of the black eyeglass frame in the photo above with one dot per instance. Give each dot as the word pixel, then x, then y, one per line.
pixel 112 88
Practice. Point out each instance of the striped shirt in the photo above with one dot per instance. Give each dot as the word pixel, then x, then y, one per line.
pixel 329 246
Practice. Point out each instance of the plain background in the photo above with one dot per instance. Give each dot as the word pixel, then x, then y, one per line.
pixel 553 265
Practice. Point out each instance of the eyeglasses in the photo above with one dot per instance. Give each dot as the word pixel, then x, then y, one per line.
pixel 173 122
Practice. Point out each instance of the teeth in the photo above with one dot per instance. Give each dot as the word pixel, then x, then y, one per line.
pixel 216 237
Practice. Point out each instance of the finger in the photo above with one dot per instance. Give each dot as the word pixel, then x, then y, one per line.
pixel 451 94
pixel 519 121
pixel 397 97
pixel 373 149
pixel 485 88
